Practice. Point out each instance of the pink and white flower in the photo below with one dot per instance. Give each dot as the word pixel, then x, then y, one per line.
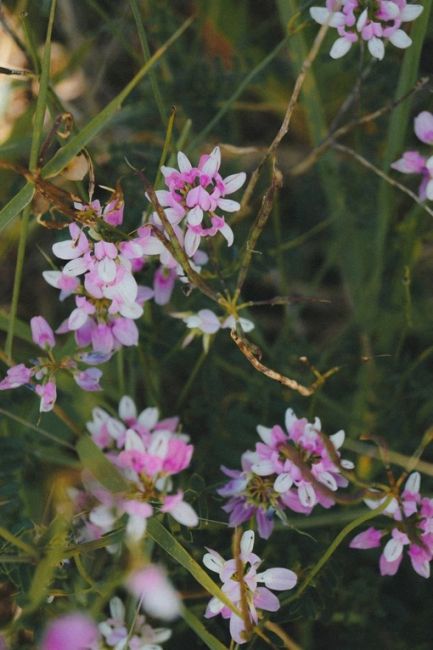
pixel 374 23
pixel 412 528
pixel 412 162
pixel 258 597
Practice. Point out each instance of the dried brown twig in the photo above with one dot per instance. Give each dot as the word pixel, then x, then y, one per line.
pixel 253 357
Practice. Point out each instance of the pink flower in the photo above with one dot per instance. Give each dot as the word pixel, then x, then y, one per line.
pixel 71 632
pixel 258 597
pixel 48 394
pixel 180 510
pixel 89 379
pixel 141 637
pixel 413 162
pixel 155 592
pixel 163 284
pixel 15 377
pixel 42 334
pixel 423 127
pixel 375 24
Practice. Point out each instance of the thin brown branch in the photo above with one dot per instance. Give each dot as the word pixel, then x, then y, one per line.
pixel 328 142
pixel 288 115
pixel 252 355
pixel 366 163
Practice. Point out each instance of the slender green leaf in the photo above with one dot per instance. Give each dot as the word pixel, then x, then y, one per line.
pixel 165 540
pixel 16 205
pixel 195 624
pixel 94 460
pixel 22 330
pixel 65 154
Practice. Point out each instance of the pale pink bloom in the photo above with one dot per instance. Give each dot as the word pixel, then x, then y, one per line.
pixel 42 334
pixel 423 127
pixel 15 377
pixel 155 592
pixel 370 538
pixel 66 283
pixel 163 284
pixel 141 637
pixel 73 248
pixel 258 597
pixel 71 632
pixel 89 379
pixel 48 394
pixel 375 24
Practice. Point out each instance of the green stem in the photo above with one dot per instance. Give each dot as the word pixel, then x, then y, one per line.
pixel 34 154
pixel 191 378
pixel 16 541
pixel 333 547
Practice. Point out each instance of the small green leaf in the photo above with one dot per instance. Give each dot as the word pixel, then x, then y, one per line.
pixel 16 205
pixel 165 540
pixel 94 460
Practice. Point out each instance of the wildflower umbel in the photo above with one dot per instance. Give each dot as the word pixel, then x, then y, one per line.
pixel 294 469
pixel 411 528
pixel 256 586
pixel 148 452
pixel 372 22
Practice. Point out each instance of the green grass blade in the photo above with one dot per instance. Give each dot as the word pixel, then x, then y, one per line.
pixel 95 461
pixel 146 53
pixel 165 540
pixel 22 330
pixel 195 624
pixel 16 205
pixel 65 154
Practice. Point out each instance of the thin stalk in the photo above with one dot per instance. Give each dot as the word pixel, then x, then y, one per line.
pixel 146 54
pixel 191 379
pixel 16 541
pixel 34 155
pixel 333 547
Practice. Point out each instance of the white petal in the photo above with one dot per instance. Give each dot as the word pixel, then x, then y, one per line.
pixel 136 527
pixel 133 441
pixel 429 190
pixel 410 12
pixel 195 216
pixel 212 164
pixel 263 468
pixel 76 319
pixel 319 14
pixel 149 417
pixel 213 562
pixel 413 483
pixel 66 250
pixel 102 516
pixel 52 278
pixel 75 267
pixel 215 606
pixel 247 542
pixel 278 578
pixel 264 433
pixel 234 182
pixel 307 495
pixel 362 20
pixel 340 48
pixel 117 609
pixel 289 419
pixel 392 9
pixel 228 205
pixel 400 39
pixel 227 233
pixel 393 549
pixel 337 439
pixel 283 482
pixel 327 479
pixel 183 162
pixel 376 48
pixel 127 409
pixel 185 514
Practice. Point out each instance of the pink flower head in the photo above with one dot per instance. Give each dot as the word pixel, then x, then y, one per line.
pixel 155 592
pixel 423 126
pixel 71 632
pixel 258 597
pixel 180 510
pixel 294 469
pixel 374 23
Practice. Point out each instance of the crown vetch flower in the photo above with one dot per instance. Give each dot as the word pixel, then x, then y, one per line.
pixel 412 528
pixel 141 637
pixel 294 469
pixel 251 582
pixel 148 452
pixel 71 632
pixel 375 23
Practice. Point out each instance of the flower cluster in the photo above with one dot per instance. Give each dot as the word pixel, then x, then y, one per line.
pixel 205 323
pixel 293 469
pixel 250 582
pixel 142 637
pixel 44 369
pixel 193 196
pixel 412 162
pixel 372 22
pixel 412 527
pixel 148 452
